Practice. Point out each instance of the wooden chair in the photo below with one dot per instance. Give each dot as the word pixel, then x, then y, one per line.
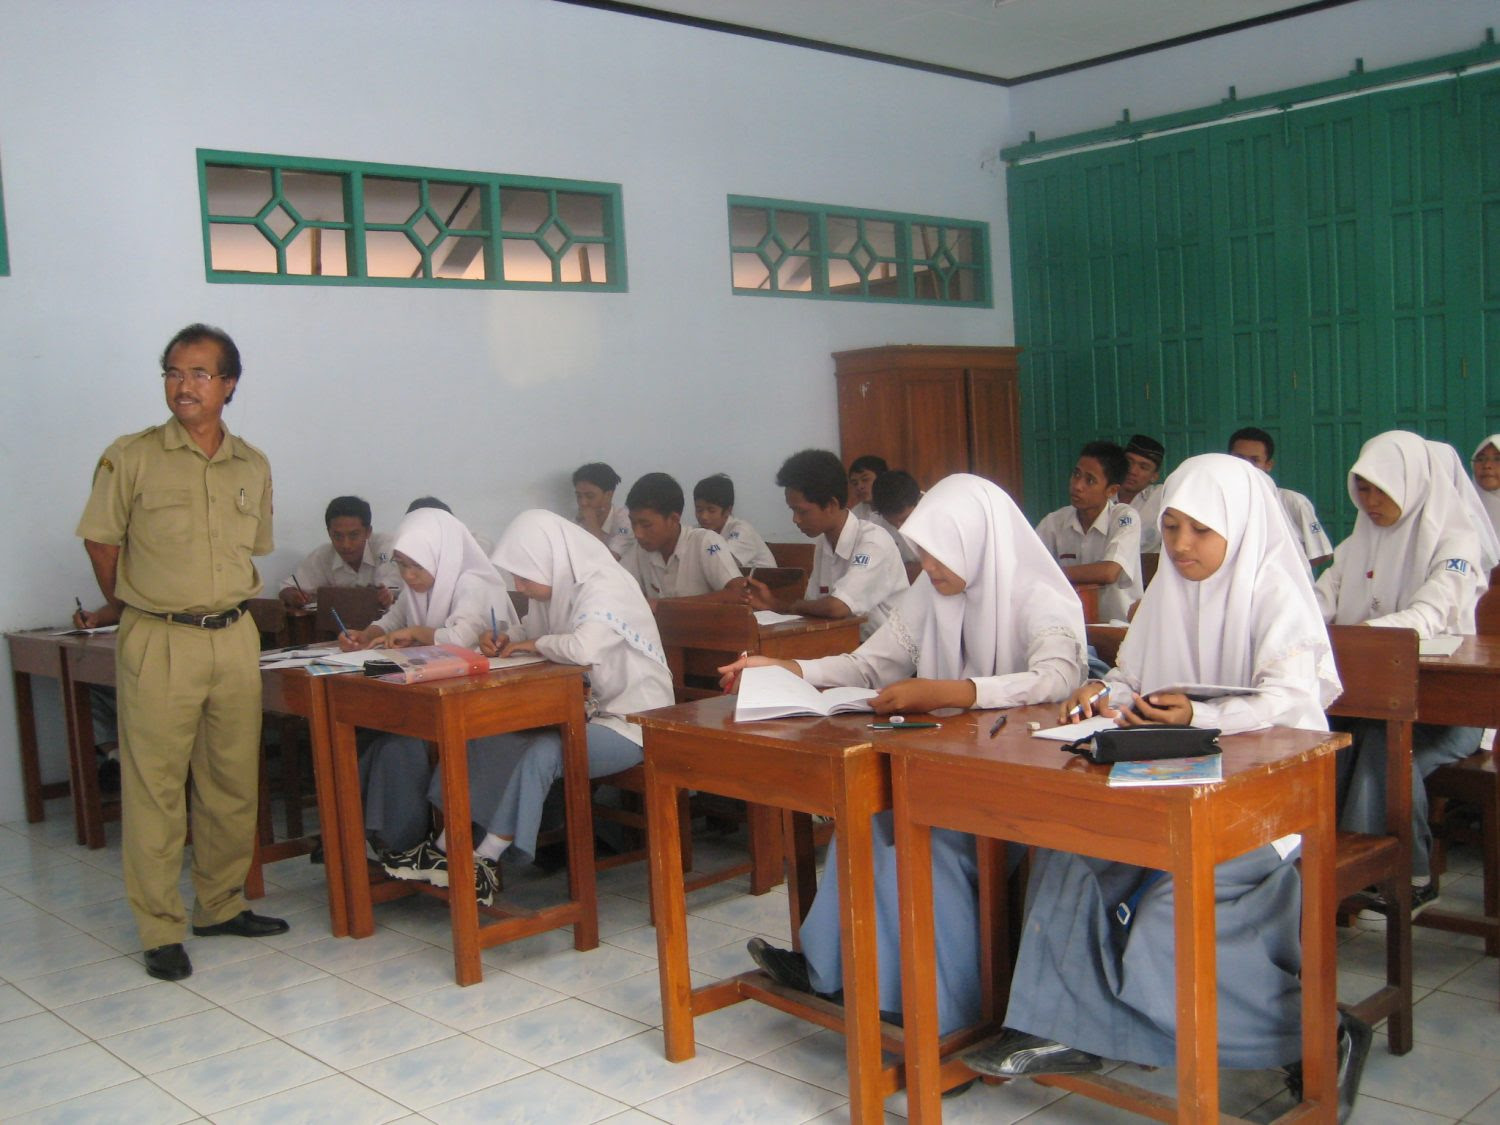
pixel 1106 640
pixel 357 606
pixel 796 555
pixel 269 615
pixel 1378 668
pixel 1088 597
pixel 787 583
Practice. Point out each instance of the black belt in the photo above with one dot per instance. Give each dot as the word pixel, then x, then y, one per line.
pixel 203 620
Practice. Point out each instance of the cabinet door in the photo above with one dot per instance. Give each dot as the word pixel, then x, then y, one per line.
pixel 915 419
pixel 995 428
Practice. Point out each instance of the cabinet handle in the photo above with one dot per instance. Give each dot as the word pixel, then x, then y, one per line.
pixel 1294 378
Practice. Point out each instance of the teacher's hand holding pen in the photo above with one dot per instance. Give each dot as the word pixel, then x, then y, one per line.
pixel 106 614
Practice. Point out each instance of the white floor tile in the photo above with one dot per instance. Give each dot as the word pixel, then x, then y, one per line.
pixel 498 996
pixel 743 1095
pixel 1466 1024
pixel 1430 1078
pixel 573 973
pixel 343 955
pixel 138 1102
pixel 153 1002
pixel 749 1029
pixel 440 1072
pixel 14 1003
pixel 181 1041
pixel 305 1005
pixel 31 1036
pixel 335 1098
pixel 268 972
pixel 246 1075
pixel 422 970
pixel 538 1098
pixel 87 982
pixel 635 1070
pixel 563 1030
pixel 366 1036
pixel 60 1075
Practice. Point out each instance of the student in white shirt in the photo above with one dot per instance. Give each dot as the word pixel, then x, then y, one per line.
pixel 594 489
pixel 486 544
pixel 856 567
pixel 1096 538
pixel 672 561
pixel 713 504
pixel 1486 463
pixel 1140 489
pixel 863 472
pixel 353 556
pixel 1231 604
pixel 893 498
pixel 1253 444
pixel 1410 562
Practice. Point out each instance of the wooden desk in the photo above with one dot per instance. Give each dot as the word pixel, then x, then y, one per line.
pixel 1088 596
pixel 87 661
pixel 818 766
pixel 1017 788
pixel 449 713
pixel 34 652
pixel 1462 690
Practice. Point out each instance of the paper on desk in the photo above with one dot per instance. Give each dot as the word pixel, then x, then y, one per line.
pixel 295 656
pixel 771 617
pixel 498 662
pixel 70 632
pixel 1446 645
pixel 1072 732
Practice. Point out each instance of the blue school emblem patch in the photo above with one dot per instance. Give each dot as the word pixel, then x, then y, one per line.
pixel 1457 564
pixel 860 560
pixel 713 548
pixel 1126 519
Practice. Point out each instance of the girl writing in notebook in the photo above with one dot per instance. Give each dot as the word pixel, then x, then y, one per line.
pixel 1232 605
pixel 584 610
pixel 991 622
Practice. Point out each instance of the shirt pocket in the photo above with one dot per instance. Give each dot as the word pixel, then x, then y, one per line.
pixel 244 519
pixel 166 515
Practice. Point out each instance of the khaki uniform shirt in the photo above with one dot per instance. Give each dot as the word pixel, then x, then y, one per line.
pixel 187 525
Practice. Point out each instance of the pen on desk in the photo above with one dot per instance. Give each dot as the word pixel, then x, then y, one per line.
pixel 1077 709
pixel 339 621
pixel 1000 722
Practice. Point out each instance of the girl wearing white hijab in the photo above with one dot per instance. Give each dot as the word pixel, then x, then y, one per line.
pixel 991 622
pixel 1413 561
pixel 585 610
pixel 1232 604
pixel 1486 463
pixel 452 594
pixel 1445 460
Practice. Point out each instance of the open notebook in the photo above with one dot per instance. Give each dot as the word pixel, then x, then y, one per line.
pixel 775 693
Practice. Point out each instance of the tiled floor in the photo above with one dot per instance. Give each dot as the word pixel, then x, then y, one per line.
pixel 304 1027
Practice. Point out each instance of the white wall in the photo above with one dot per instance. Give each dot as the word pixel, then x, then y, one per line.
pixel 487 399
pixel 1275 56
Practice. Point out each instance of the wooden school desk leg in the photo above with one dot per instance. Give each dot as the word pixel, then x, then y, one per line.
pixel 349 827
pixel 802 869
pixel 764 830
pixel 1197 982
pixel 918 956
pixel 463 904
pixel 1319 960
pixel 579 818
pixel 669 905
pixel 856 872
pixel 84 766
pixel 335 865
pixel 255 876
pixel 31 765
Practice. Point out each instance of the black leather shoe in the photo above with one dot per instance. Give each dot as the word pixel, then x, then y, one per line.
pixel 1355 1037
pixel 168 962
pixel 244 924
pixel 1015 1054
pixel 785 967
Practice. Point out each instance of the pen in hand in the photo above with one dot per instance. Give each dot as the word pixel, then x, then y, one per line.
pixel 494 626
pixel 339 621
pixel 1076 711
pixel 82 622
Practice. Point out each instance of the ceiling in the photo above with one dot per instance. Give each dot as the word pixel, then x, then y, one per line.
pixel 999 41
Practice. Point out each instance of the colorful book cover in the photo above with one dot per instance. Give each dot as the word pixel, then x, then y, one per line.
pixel 1201 770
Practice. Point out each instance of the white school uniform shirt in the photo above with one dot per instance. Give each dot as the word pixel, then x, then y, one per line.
pixel 908 552
pixel 617 534
pixel 1147 505
pixel 863 570
pixel 324 567
pixel 746 544
pixel 1115 536
pixel 1306 527
pixel 701 563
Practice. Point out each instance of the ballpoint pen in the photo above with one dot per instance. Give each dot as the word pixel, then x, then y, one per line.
pixel 494 626
pixel 1077 709
pixel 339 621
pixel 998 723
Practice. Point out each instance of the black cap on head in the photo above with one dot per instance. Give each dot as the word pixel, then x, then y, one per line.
pixel 1148 447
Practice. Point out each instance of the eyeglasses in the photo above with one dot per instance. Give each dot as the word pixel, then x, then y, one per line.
pixel 197 376
pixel 1488 460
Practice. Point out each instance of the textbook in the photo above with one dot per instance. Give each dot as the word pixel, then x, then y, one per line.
pixel 1171 771
pixel 421 663
pixel 774 693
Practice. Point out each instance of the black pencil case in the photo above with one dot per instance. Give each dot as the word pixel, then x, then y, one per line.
pixel 1146 744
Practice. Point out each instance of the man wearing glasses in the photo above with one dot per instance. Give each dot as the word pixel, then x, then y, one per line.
pixel 176 514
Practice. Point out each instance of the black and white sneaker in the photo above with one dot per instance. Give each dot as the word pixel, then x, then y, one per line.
pixel 1015 1054
pixel 1355 1037
pixel 486 880
pixel 1423 895
pixel 785 966
pixel 423 864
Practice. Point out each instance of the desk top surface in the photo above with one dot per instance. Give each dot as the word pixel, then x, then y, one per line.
pixel 1477 656
pixel 458 685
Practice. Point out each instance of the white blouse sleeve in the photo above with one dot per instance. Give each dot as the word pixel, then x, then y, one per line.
pixel 1281 696
pixel 470 618
pixel 1054 667
pixel 878 661
pixel 1442 604
pixel 582 647
pixel 398 616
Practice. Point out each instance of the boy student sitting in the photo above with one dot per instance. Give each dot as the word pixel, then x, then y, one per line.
pixel 672 561
pixel 893 497
pixel 1258 447
pixel 856 567
pixel 353 556
pixel 1140 488
pixel 713 504
pixel 594 489
pixel 1098 539
pixel 862 474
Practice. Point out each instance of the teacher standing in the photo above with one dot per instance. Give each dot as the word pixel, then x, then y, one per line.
pixel 176 513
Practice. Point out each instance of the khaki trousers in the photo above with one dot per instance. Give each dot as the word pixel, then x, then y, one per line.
pixel 189 700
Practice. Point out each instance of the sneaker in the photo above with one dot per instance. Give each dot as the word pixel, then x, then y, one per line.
pixel 1015 1054
pixel 1423 895
pixel 1355 1037
pixel 486 880
pixel 786 967
pixel 423 863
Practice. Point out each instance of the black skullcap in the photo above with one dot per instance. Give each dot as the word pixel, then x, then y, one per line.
pixel 1148 447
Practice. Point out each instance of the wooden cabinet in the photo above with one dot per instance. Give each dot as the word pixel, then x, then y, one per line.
pixel 933 410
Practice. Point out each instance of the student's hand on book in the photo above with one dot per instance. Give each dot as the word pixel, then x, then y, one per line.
pixel 729 674
pixel 923 695
pixel 1159 707
pixel 519 648
pixel 293 598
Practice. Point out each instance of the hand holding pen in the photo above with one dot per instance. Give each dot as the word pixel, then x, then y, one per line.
pixel 1086 702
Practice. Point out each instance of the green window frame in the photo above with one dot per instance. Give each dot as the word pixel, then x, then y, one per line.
pixel 291 220
pixel 783 248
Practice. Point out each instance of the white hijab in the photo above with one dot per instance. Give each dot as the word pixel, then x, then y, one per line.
pixel 1256 609
pixel 1446 461
pixel 443 547
pixel 1490 500
pixel 1014 590
pixel 1385 566
pixel 588 584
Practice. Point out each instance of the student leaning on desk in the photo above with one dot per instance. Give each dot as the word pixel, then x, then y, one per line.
pixel 353 556
pixel 992 622
pixel 672 561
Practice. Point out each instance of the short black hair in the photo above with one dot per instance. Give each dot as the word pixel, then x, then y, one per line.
pixel 894 491
pixel 428 502
pixel 717 490
pixel 1254 433
pixel 598 474
pixel 229 355
pixel 1111 459
pixel 817 474
pixel 869 463
pixel 342 506
pixel 656 491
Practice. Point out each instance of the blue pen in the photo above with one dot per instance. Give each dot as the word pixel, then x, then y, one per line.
pixel 339 621
pixel 494 626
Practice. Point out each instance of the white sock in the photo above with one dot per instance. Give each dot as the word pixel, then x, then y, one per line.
pixel 441 843
pixel 491 846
